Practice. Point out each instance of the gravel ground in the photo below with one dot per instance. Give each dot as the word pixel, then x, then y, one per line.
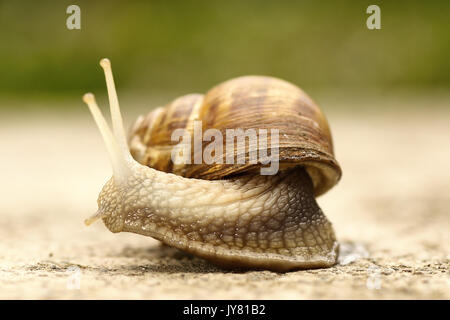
pixel 390 213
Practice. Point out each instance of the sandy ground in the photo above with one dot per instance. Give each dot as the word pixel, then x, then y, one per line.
pixel 390 212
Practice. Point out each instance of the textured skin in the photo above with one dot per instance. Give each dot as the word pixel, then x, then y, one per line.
pixel 270 222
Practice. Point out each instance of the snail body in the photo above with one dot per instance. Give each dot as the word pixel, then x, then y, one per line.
pixel 225 212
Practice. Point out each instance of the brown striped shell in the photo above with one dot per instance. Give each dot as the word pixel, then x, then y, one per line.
pixel 250 102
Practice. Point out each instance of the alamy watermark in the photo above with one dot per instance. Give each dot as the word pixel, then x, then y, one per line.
pixel 241 146
pixel 373 281
pixel 73 22
pixel 73 278
pixel 374 20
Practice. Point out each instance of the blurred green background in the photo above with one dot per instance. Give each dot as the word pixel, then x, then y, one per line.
pixel 164 49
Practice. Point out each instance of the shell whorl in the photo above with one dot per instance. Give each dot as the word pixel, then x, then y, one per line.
pixel 250 102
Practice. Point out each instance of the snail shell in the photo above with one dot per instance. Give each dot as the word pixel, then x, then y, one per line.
pixel 249 102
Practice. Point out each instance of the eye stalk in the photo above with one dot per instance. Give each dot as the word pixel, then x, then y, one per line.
pixel 116 115
pixel 114 151
pixel 115 140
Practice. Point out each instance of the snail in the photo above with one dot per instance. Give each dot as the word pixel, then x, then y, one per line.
pixel 227 213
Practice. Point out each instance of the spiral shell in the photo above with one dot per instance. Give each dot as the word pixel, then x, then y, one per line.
pixel 249 102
